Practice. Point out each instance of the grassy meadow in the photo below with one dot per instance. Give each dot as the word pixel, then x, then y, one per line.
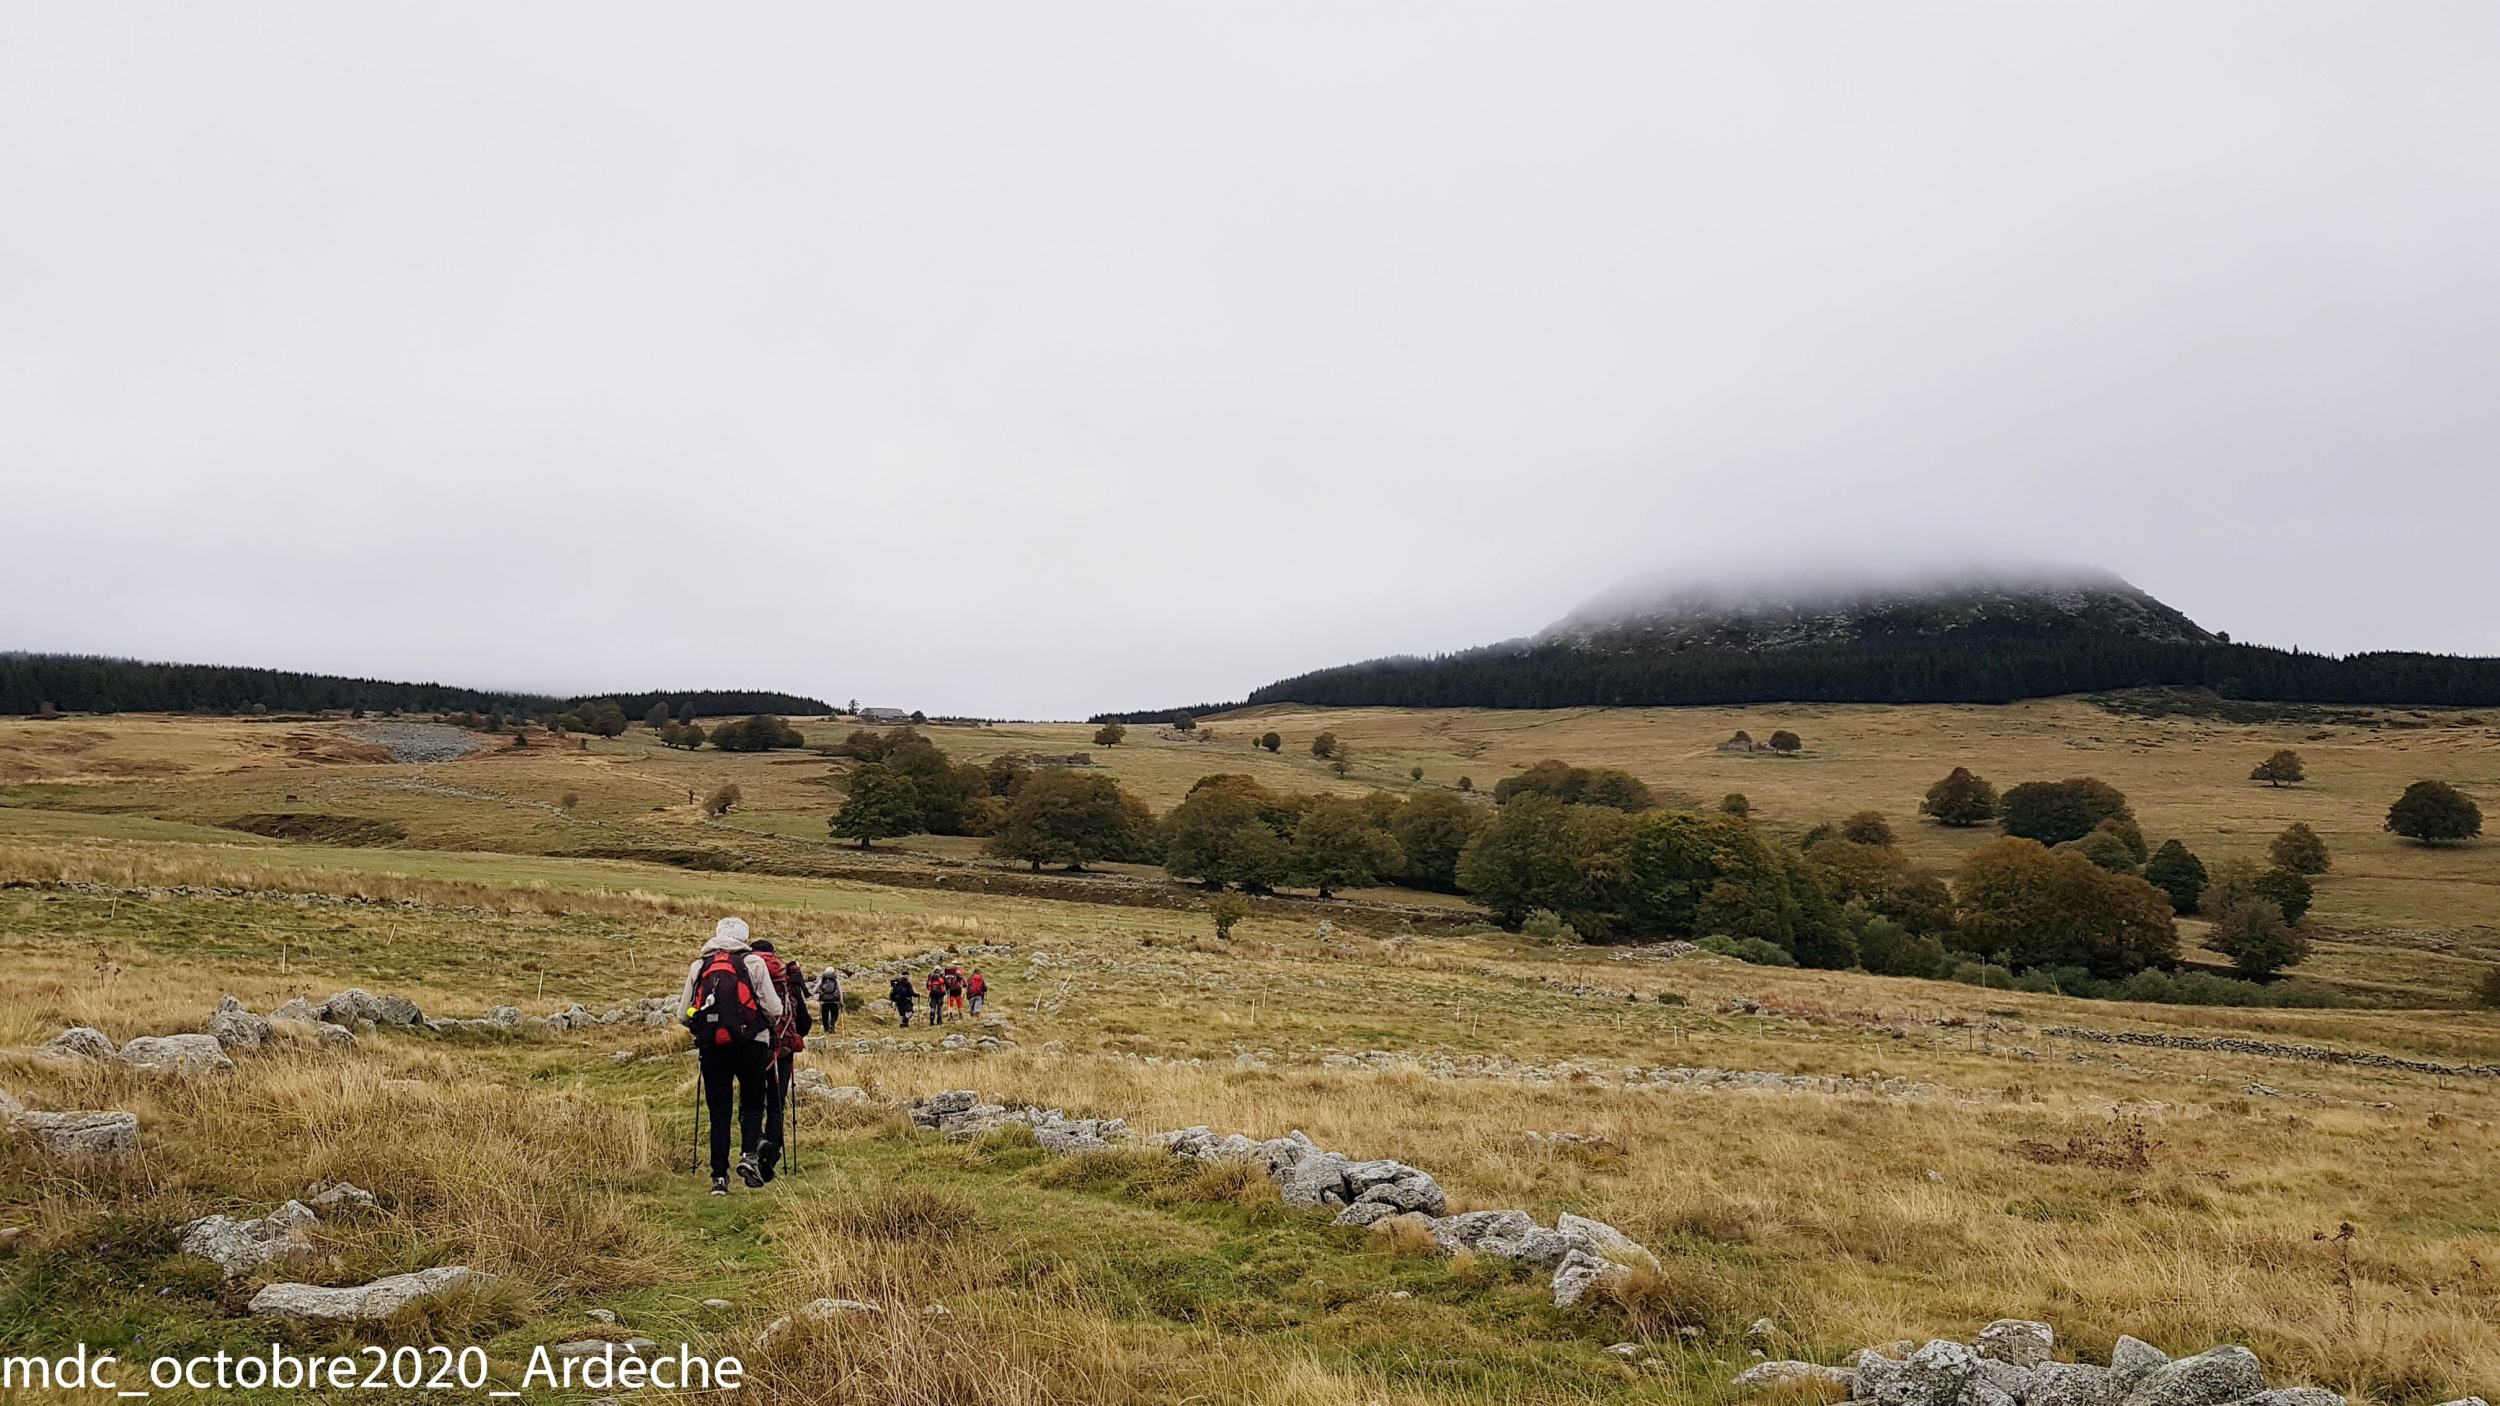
pixel 2179 1195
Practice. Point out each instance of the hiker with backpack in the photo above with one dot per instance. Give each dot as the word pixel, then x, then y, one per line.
pixel 829 996
pixel 937 997
pixel 731 1004
pixel 900 992
pixel 976 986
pixel 954 989
pixel 789 1037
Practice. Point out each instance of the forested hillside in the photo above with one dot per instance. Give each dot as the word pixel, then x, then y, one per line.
pixel 1563 675
pixel 91 684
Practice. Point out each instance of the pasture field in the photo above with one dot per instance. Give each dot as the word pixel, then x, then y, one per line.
pixel 2178 1194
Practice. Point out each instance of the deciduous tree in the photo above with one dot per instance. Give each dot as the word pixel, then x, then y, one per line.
pixel 2257 940
pixel 1063 817
pixel 1867 827
pixel 2054 812
pixel 2036 908
pixel 1335 845
pixel 882 805
pixel 2434 812
pixel 2178 873
pixel 2281 767
pixel 1109 735
pixel 1785 742
pixel 2299 849
pixel 1961 799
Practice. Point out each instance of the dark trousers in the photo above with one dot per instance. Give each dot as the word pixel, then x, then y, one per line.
pixel 833 1012
pixel 743 1068
pixel 903 1010
pixel 777 1098
pixel 937 1010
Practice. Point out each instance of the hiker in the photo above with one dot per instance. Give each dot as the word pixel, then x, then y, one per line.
pixel 829 996
pixel 731 1004
pixel 900 993
pixel 976 986
pixel 954 989
pixel 789 1037
pixel 937 997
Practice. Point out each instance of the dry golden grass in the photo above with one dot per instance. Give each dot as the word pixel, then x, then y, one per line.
pixel 1129 1279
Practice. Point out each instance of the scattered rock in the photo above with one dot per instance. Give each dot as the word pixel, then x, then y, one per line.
pixel 2019 1341
pixel 236 1028
pixel 813 1084
pixel 718 1303
pixel 87 1134
pixel 240 1246
pixel 339 1194
pixel 1763 1374
pixel 1626 1351
pixel 295 1009
pixel 82 1041
pixel 2210 1378
pixel 2130 1360
pixel 2071 1384
pixel 334 1036
pixel 361 1303
pixel 177 1054
pixel 1578 1271
pixel 351 1007
pixel 604 1315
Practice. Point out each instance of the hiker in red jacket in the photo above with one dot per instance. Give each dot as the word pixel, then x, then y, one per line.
pixel 954 989
pixel 789 1037
pixel 976 986
pixel 937 997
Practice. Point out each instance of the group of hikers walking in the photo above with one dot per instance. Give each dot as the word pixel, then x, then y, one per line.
pixel 950 988
pixel 746 1005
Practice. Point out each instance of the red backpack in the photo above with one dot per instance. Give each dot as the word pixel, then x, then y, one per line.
pixel 785 1029
pixel 725 1010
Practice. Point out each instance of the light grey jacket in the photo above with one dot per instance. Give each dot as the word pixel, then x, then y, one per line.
pixel 759 976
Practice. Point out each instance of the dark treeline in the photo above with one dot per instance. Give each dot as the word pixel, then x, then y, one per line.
pixel 1990 671
pixel 1163 715
pixel 90 684
pixel 713 704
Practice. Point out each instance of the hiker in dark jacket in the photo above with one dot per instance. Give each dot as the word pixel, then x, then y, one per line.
pixel 789 1037
pixel 937 996
pixel 902 995
pixel 733 1066
pixel 829 996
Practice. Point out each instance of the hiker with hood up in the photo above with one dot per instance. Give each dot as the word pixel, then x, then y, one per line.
pixel 733 1006
pixel 900 992
pixel 829 996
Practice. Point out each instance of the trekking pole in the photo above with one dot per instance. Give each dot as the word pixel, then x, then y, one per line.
pixel 694 1162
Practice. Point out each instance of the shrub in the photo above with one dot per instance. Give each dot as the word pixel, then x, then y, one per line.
pixel 1748 949
pixel 2434 812
pixel 1785 742
pixel 1546 927
pixel 1324 746
pixel 2487 991
pixel 1183 722
pixel 1735 804
pixel 568 801
pixel 1466 783
pixel 719 802
pixel 2054 812
pixel 1271 741
pixel 2281 767
pixel 1888 949
pixel 2256 939
pixel 1960 799
pixel 1227 909
pixel 2299 849
pixel 1414 773
pixel 1867 827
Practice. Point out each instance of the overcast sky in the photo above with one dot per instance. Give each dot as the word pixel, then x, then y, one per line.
pixel 1028 360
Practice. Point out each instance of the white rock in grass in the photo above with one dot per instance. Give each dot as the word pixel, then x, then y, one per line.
pixel 1763 1374
pixel 1577 1273
pixel 361 1303
pixel 240 1246
pixel 236 1028
pixel 2213 1377
pixel 343 1193
pixel 1606 1242
pixel 85 1042
pixel 2020 1341
pixel 87 1134
pixel 2131 1360
pixel 177 1054
pixel 1938 1374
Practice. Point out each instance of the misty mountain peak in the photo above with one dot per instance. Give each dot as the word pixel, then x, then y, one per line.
pixel 1811 606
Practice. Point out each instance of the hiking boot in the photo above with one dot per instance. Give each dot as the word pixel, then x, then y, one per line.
pixel 720 1186
pixel 749 1172
pixel 768 1157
